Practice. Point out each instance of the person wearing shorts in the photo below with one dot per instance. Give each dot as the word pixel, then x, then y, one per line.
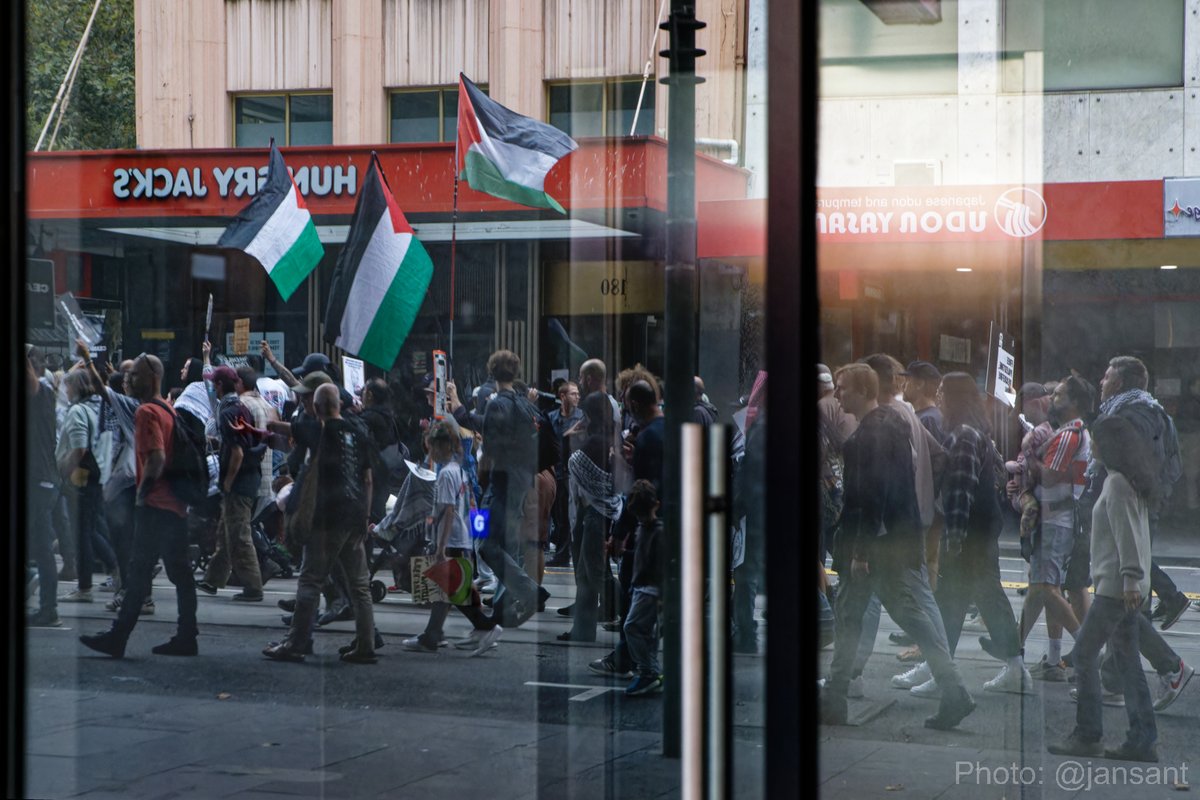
pixel 1059 476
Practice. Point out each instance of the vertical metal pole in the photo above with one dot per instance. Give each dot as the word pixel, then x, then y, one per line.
pixel 692 635
pixel 717 644
pixel 680 366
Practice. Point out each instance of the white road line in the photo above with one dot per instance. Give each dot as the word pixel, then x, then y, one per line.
pixel 590 693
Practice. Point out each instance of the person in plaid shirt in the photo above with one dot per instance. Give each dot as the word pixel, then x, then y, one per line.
pixel 970 557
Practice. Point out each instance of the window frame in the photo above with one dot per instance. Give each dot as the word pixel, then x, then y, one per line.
pixel 442 90
pixel 287 112
pixel 609 84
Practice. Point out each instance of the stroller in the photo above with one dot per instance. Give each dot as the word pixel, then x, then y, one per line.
pixel 404 532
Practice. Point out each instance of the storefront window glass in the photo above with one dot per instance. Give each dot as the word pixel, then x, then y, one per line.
pixel 550 358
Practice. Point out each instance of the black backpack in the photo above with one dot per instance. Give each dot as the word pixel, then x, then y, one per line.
pixel 186 471
pixel 512 431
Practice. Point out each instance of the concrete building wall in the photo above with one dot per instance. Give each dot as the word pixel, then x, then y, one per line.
pixel 986 135
pixel 194 55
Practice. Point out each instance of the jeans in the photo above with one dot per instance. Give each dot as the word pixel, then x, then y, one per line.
pixel 591 573
pixel 870 629
pixel 502 548
pixel 157 532
pixel 974 576
pixel 641 631
pixel 903 587
pixel 747 581
pixel 235 549
pixel 1160 583
pixel 1152 645
pixel 85 505
pixel 119 511
pixel 344 545
pixel 42 501
pixel 1109 620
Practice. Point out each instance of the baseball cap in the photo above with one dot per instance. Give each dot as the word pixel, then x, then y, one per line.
pixel 923 370
pixel 427 382
pixel 824 375
pixel 311 381
pixel 312 362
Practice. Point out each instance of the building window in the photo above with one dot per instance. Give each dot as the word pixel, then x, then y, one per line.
pixel 291 119
pixel 601 108
pixel 1086 45
pixel 425 115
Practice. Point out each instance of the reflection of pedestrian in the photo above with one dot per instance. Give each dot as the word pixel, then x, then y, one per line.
pixel 1121 566
pixel 341 469
pixel 41 482
pixel 160 523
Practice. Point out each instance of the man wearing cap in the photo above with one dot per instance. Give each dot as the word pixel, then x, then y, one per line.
pixel 239 479
pixel 920 391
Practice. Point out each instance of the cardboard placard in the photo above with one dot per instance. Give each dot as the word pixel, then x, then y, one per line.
pixel 241 336
pixel 353 375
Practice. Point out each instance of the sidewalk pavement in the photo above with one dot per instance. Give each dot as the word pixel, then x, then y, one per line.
pixel 121 745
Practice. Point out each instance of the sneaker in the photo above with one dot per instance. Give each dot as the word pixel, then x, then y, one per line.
pixel 928 689
pixel 489 587
pixel 1128 751
pixel 910 656
pixel 1169 686
pixel 854 689
pixel 901 639
pixel 288 605
pixel 206 587
pixel 914 677
pixel 470 641
pixel 1110 699
pixel 566 611
pixel 1074 745
pixel 1010 680
pixel 77 596
pixel 245 596
pixel 106 643
pixel 488 640
pixel 355 657
pixel 418 645
pixel 176 647
pixel 952 711
pixel 109 585
pixel 115 603
pixel 147 607
pixel 644 684
pixel 1175 610
pixel 1045 671
pixel 44 618
pixel 607 668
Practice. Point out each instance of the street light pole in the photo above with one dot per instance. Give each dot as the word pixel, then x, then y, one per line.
pixel 680 365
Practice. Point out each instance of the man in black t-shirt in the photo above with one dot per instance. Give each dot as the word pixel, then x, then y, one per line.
pixel 342 468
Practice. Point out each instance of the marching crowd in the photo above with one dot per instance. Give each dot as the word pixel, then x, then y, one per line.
pixel 297 471
pixel 914 497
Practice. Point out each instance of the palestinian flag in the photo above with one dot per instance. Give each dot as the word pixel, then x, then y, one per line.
pixel 380 280
pixel 277 230
pixel 503 153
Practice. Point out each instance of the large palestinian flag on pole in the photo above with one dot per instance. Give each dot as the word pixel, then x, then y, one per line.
pixel 380 280
pixel 503 153
pixel 277 230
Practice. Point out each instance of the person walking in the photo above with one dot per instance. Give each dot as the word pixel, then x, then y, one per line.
pixel 1120 540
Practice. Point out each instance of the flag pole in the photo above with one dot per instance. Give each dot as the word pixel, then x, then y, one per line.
pixel 453 251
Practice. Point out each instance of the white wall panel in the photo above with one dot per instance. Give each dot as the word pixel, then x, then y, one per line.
pixel 845 142
pixel 428 43
pixel 273 46
pixel 914 129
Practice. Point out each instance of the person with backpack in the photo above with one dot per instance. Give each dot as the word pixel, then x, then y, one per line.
pixel 160 517
pixel 80 473
pixel 510 427
pixel 239 480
